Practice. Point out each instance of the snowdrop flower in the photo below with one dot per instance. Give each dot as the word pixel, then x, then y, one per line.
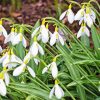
pixel 56 37
pixel 11 36
pixel 36 48
pixel 69 13
pixel 80 15
pixel 2 30
pixel 89 17
pixel 4 76
pixel 43 32
pixel 20 69
pixel 10 60
pixel 82 31
pixel 57 90
pixel 53 68
pixel 1 49
pixel 19 38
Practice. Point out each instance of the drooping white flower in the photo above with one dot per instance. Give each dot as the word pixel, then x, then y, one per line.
pixel 53 68
pixel 82 31
pixel 57 90
pixel 43 32
pixel 80 14
pixel 20 69
pixel 20 38
pixel 2 30
pixel 10 60
pixel 69 13
pixel 56 37
pixel 4 80
pixel 35 49
pixel 63 15
pixel 89 17
pixel 11 36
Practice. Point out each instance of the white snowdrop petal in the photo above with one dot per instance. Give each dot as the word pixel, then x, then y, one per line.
pixel 4 32
pixel 58 92
pixel 31 71
pixel 16 40
pixel 35 31
pixel 46 69
pixel 40 50
pixel 2 88
pixel 17 59
pixel 34 49
pixel 53 39
pixel 70 16
pixel 51 92
pixel 63 15
pixel 7 79
pixel 54 69
pixel 87 31
pixel 81 19
pixel 79 32
pixel 24 42
pixel 45 35
pixel 36 61
pixel 39 37
pixel 1 49
pixel 2 58
pixel 93 15
pixel 79 14
pixel 7 39
pixel 19 70
pixel 61 40
pixel 6 60
pixel 27 57
pixel 88 20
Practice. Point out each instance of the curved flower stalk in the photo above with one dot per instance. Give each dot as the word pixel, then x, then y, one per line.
pixel 53 68
pixel 57 90
pixel 19 38
pixel 56 37
pixel 43 32
pixel 69 13
pixel 4 80
pixel 20 69
pixel 82 31
pixel 11 36
pixel 10 60
pixel 36 48
pixel 2 30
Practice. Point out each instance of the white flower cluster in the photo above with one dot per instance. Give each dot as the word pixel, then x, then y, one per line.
pixel 85 16
pixel 10 61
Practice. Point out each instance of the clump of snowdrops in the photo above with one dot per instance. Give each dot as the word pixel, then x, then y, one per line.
pixel 52 65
